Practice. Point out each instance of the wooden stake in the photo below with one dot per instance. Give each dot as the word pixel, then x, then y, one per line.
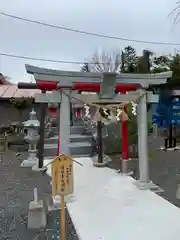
pixel 62 219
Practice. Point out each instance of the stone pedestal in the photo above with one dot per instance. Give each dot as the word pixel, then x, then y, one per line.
pixel 31 161
pixel 106 160
pixel 37 216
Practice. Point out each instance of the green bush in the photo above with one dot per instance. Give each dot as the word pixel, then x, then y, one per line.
pixel 113 143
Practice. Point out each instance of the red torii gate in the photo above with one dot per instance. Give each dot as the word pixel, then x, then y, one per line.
pixel 94 87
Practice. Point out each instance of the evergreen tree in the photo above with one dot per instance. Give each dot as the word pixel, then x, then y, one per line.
pixel 129 60
pixel 160 64
pixel 175 68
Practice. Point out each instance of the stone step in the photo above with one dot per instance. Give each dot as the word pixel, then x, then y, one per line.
pixel 73 129
pixel 76 148
pixel 80 138
pixel 54 129
pixel 73 138
pixel 52 140
pixel 81 155
pixel 80 148
pixel 73 156
pixel 50 152
pixel 78 123
pixel 77 130
pixel 50 146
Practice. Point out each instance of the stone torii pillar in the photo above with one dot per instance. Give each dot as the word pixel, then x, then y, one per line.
pixel 63 97
pixel 144 181
pixel 64 123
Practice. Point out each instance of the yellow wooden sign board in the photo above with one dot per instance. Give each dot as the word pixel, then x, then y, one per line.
pixel 62 175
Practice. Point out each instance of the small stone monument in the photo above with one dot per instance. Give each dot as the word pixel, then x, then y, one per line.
pixel 37 215
pixel 32 137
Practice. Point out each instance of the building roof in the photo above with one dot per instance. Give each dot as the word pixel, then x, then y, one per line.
pixel 12 91
pixel 4 80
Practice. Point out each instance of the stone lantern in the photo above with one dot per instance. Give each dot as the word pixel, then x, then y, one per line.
pixel 32 136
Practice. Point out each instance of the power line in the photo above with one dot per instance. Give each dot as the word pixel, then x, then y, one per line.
pixel 88 33
pixel 43 59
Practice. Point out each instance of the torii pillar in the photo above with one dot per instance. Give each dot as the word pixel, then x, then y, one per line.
pixel 144 181
pixel 64 123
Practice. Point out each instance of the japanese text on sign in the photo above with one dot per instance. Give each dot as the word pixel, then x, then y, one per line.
pixel 63 180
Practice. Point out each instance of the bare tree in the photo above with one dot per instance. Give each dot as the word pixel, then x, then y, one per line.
pixel 105 62
pixel 175 14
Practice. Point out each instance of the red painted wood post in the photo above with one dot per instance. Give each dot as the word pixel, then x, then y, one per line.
pixel 124 129
pixel 125 147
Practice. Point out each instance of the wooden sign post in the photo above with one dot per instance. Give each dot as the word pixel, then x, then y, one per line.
pixel 62 185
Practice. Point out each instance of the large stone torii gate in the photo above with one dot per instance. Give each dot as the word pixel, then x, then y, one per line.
pixel 66 80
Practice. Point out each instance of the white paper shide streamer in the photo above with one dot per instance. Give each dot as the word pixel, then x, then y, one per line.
pixel 134 108
pixel 87 111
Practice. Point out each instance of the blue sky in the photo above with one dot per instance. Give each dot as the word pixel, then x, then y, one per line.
pixel 137 19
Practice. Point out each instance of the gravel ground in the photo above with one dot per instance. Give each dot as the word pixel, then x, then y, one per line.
pixel 16 190
pixel 164 169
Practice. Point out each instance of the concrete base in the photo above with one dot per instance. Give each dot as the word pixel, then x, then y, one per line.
pixel 130 173
pixel 148 186
pixel 106 160
pixel 169 149
pixel 125 171
pixel 28 163
pixel 36 167
pixel 37 216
